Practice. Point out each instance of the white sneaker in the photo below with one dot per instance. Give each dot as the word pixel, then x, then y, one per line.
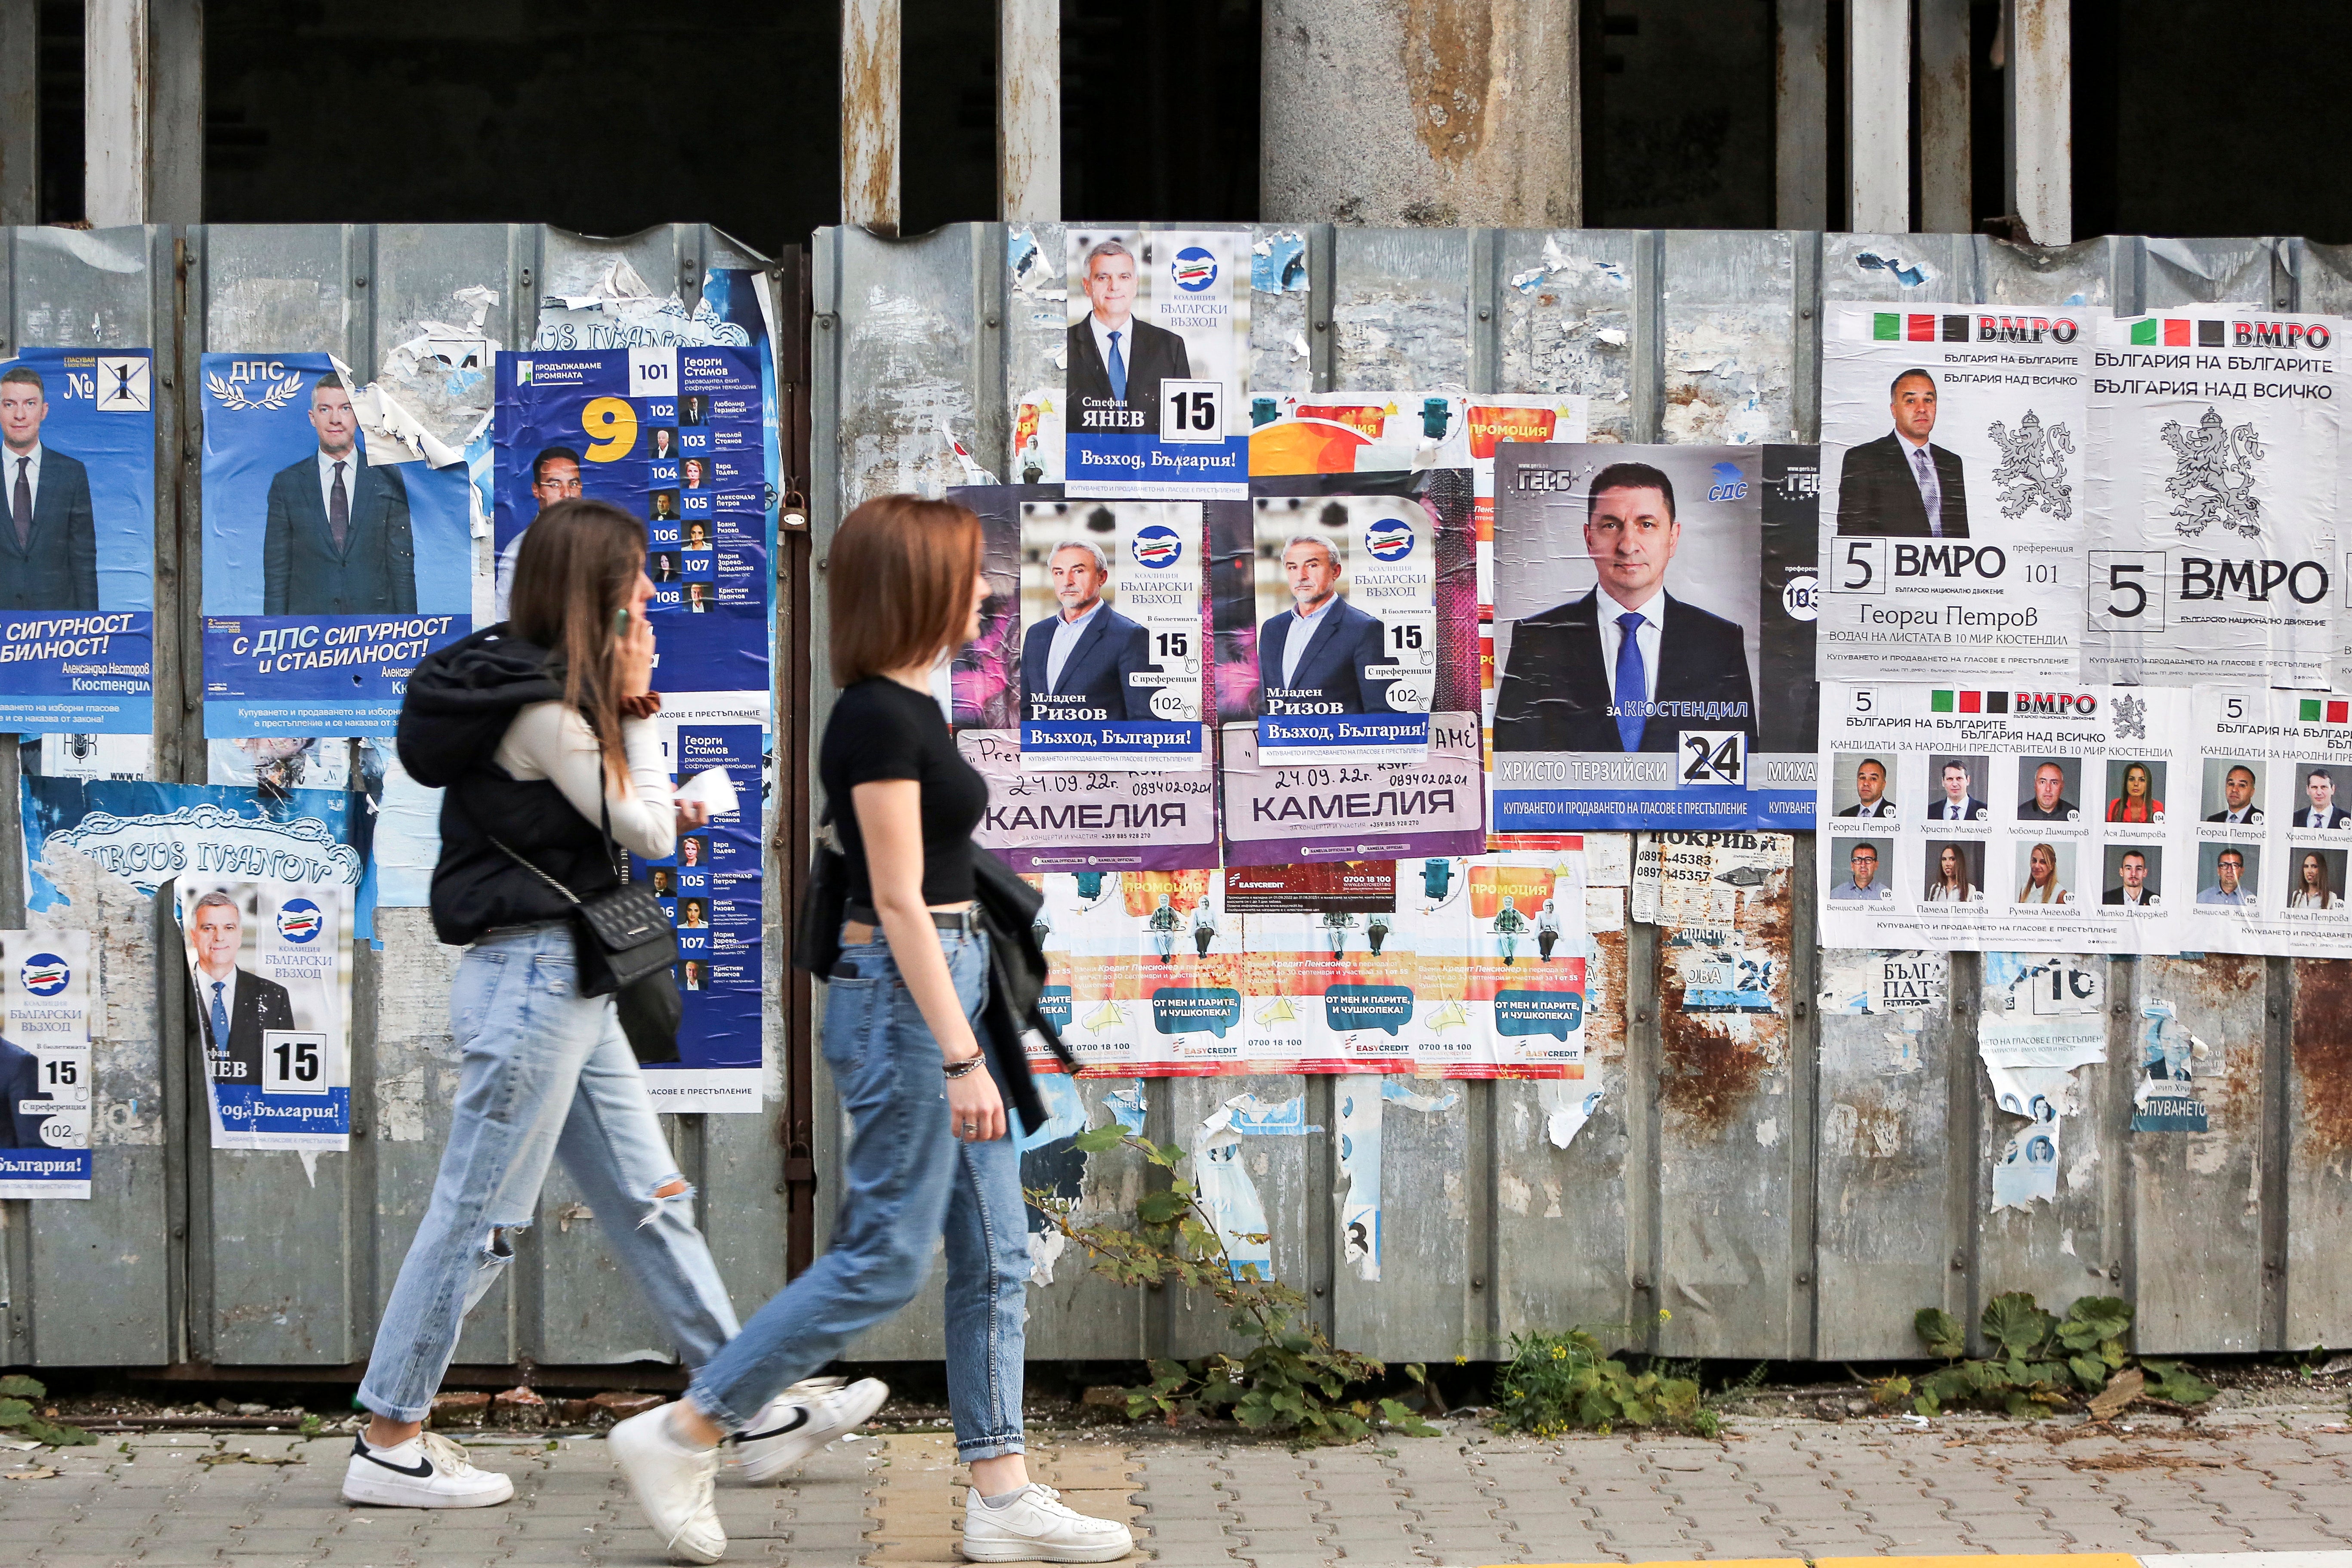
pixel 798 1422
pixel 1036 1527
pixel 427 1471
pixel 673 1486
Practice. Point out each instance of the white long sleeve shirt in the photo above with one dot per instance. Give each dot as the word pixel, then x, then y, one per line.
pixel 549 741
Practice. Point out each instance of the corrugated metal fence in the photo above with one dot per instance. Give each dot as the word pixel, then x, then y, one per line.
pixel 189 1259
pixel 1810 1221
pixel 1816 1206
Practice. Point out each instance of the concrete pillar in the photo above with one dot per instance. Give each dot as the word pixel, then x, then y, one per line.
pixel 1945 154
pixel 20 111
pixel 1800 140
pixel 1878 116
pixel 1391 112
pixel 143 111
pixel 1029 110
pixel 2041 88
pixel 871 66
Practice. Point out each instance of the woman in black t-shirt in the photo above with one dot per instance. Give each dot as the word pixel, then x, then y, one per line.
pixel 901 1008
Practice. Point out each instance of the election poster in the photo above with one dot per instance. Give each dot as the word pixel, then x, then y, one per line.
pixel 1157 364
pixel 1456 966
pixel 1953 492
pixel 2271 822
pixel 712 888
pixel 2054 818
pixel 1114 663
pixel 48 996
pixel 1113 634
pixel 678 437
pixel 1630 625
pixel 2213 550
pixel 1346 627
pixel 327 576
pixel 1355 432
pixel 77 544
pixel 270 972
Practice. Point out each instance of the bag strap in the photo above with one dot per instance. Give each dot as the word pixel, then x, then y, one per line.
pixel 535 871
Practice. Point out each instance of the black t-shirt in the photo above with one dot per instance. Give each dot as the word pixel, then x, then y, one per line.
pixel 881 729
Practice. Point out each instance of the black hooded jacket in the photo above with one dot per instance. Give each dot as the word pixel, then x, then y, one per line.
pixel 459 703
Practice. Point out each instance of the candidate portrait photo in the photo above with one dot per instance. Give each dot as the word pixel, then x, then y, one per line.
pixel 49 546
pixel 1610 670
pixel 1117 360
pixel 1903 484
pixel 1317 655
pixel 337 541
pixel 1076 663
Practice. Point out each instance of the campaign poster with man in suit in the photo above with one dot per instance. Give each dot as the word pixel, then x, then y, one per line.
pixel 1628 631
pixel 1094 608
pixel 327 556
pixel 1348 671
pixel 1112 646
pixel 1157 358
pixel 77 541
pixel 1347 628
pixel 1955 504
pixel 47 985
pixel 269 974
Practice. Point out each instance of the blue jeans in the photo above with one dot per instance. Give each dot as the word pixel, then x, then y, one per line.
pixel 547 1072
pixel 907 1176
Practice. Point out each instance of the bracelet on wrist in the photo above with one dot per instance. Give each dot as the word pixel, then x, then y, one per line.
pixel 965 1066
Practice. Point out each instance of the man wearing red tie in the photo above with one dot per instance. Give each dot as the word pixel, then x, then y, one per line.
pixel 337 540
pixel 48 558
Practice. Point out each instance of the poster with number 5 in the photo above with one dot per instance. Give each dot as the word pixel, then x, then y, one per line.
pixel 675 436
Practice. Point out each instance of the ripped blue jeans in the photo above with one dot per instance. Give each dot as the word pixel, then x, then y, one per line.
pixel 547 1072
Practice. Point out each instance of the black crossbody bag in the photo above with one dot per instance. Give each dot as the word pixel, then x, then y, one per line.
pixel 816 924
pixel 627 949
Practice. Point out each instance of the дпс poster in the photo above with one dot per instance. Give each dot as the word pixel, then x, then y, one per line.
pixel 327 576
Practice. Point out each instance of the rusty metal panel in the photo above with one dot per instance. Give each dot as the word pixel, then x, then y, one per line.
pixel 2196 1214
pixel 2317 1154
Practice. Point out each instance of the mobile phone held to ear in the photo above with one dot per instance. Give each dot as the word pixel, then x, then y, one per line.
pixel 621 622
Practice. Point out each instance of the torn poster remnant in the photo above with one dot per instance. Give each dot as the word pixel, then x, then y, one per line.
pixel 2165 1099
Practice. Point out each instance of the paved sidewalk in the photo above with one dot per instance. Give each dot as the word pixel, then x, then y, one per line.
pixel 2256 1481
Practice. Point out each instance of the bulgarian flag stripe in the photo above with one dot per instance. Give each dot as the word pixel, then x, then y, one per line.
pixel 2320 710
pixel 1970 703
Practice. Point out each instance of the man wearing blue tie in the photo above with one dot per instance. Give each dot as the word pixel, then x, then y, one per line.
pixel 236 1004
pixel 1614 670
pixel 1117 363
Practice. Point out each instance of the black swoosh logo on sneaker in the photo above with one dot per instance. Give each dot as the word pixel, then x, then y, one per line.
pixel 800 1420
pixel 424 1466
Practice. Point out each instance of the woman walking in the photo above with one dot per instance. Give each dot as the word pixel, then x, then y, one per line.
pixel 929 1147
pixel 540 730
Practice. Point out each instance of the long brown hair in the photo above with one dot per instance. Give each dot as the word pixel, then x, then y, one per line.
pixel 898 583
pixel 578 562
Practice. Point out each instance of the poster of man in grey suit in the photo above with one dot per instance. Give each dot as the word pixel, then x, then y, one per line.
pixel 337 540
